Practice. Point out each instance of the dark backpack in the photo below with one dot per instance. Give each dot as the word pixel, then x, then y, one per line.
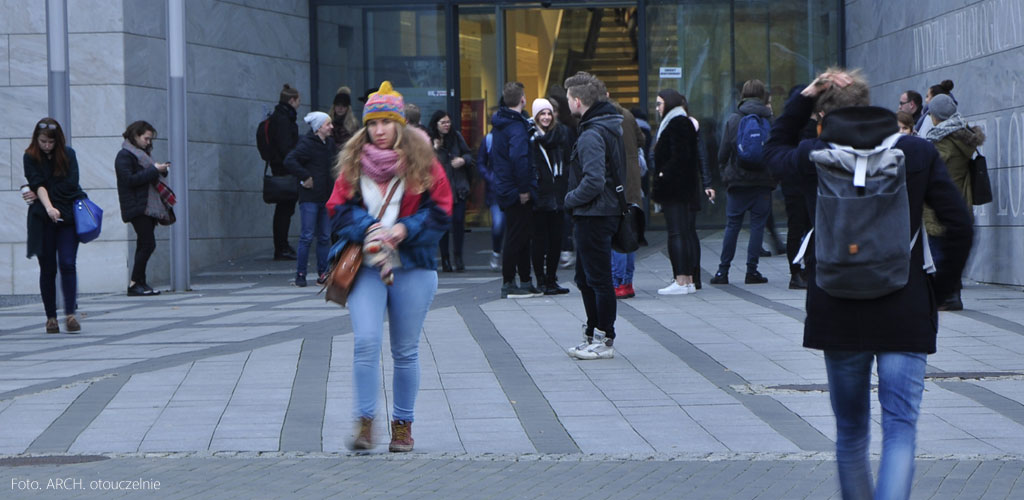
pixel 751 134
pixel 263 144
pixel 862 240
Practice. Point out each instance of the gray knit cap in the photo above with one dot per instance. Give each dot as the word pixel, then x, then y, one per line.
pixel 942 107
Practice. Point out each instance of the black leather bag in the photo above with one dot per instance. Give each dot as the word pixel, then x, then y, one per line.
pixel 625 239
pixel 279 188
pixel 981 188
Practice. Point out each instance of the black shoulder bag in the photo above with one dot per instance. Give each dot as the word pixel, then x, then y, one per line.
pixel 625 238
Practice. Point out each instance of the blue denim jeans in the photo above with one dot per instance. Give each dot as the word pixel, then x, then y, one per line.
pixel 497 227
pixel 740 200
pixel 60 250
pixel 406 303
pixel 314 223
pixel 623 265
pixel 900 387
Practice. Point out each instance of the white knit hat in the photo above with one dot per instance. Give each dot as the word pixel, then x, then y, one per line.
pixel 540 104
pixel 316 119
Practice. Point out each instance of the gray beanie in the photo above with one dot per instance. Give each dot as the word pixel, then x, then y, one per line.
pixel 316 119
pixel 942 107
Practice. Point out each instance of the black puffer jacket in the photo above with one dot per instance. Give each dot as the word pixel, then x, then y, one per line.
pixel 732 174
pixel 133 183
pixel 454 146
pixel 314 158
pixel 550 169
pixel 284 135
pixel 677 177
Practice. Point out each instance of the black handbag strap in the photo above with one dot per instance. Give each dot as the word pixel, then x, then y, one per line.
pixel 620 190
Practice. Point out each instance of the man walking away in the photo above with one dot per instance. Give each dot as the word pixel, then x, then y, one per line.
pixel 859 309
pixel 515 188
pixel 594 204
pixel 749 184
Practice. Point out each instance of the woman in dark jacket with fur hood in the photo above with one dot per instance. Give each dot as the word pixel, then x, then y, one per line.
pixel 136 175
pixel 457 159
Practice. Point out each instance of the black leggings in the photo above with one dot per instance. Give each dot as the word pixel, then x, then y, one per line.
pixel 682 238
pixel 457 230
pixel 546 245
pixel 145 244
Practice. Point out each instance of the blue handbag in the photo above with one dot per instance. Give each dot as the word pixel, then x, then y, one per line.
pixel 88 219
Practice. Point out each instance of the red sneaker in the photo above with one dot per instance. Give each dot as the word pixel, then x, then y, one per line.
pixel 622 292
pixel 630 292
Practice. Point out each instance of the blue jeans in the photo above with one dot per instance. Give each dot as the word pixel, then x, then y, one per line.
pixel 497 227
pixel 623 265
pixel 314 223
pixel 740 200
pixel 60 249
pixel 406 303
pixel 900 387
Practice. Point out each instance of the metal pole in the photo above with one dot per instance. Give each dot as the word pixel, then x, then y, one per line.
pixel 58 88
pixel 178 139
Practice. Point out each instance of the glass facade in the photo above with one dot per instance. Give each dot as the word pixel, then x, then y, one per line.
pixel 455 56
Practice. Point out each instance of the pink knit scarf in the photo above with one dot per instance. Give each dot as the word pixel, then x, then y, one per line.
pixel 379 164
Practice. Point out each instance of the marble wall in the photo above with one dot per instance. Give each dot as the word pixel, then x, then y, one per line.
pixel 239 53
pixel 978 45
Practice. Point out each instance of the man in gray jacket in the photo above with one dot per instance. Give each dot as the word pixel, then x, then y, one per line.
pixel 594 205
pixel 749 187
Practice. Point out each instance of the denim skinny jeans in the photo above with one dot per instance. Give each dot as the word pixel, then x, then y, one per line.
pixel 315 224
pixel 900 388
pixel 406 303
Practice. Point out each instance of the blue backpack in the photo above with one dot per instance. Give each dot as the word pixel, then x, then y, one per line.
pixel 751 134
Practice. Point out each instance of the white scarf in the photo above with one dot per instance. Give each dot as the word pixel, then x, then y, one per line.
pixel 373 198
pixel 674 112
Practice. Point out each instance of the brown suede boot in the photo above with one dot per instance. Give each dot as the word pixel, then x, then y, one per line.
pixel 52 326
pixel 72 324
pixel 363 439
pixel 401 436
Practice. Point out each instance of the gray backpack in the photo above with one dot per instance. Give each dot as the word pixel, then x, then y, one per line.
pixel 862 221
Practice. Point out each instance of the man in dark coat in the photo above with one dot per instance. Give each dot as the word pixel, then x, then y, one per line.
pixel 515 188
pixel 898 329
pixel 284 135
pixel 749 188
pixel 595 209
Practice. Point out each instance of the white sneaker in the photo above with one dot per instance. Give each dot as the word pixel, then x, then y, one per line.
pixel 675 289
pixel 567 260
pixel 587 341
pixel 597 350
pixel 691 288
pixel 495 261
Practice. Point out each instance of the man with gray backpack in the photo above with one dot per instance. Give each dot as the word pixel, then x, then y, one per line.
pixel 749 183
pixel 870 296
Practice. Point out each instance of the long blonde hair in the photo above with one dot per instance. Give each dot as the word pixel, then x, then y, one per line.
pixel 414 152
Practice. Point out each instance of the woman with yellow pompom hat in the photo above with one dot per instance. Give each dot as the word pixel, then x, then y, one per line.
pixel 390 169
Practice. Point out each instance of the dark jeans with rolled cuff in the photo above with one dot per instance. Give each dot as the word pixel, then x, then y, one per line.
pixel 282 222
pixel 593 239
pixel 740 200
pixel 60 250
pixel 515 257
pixel 683 245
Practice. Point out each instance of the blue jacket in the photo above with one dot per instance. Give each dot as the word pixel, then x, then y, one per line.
pixel 510 157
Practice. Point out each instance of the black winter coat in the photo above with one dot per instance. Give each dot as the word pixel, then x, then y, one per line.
pixel 550 169
pixel 598 150
pixel 677 176
pixel 732 173
pixel 133 183
pixel 905 320
pixel 314 158
pixel 284 135
pixel 63 191
pixel 460 179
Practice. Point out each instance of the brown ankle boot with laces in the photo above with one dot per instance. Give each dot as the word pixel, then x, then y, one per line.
pixel 401 436
pixel 73 325
pixel 363 439
pixel 52 326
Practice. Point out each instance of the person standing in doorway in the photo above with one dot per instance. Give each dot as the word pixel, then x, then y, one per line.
pixel 594 204
pixel 516 190
pixel 749 183
pixel 284 135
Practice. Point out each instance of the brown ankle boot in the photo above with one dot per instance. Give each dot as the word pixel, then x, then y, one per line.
pixel 401 436
pixel 363 439
pixel 52 326
pixel 72 324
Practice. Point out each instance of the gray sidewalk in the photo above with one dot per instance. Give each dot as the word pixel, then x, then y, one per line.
pixel 241 389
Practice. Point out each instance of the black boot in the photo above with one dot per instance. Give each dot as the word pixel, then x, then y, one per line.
pixel 446 265
pixel 459 266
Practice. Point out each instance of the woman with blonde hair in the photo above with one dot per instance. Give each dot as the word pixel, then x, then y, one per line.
pixel 390 169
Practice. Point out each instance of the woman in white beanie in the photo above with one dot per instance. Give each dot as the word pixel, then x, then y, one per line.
pixel 547 145
pixel 311 162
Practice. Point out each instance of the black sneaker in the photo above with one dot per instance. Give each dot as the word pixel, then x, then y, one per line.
pixel 532 290
pixel 797 282
pixel 719 279
pixel 755 278
pixel 300 280
pixel 285 255
pixel 554 289
pixel 509 290
pixel 951 304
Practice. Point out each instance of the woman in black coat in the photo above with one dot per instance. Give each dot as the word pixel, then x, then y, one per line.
pixel 676 185
pixel 547 149
pixel 51 169
pixel 457 159
pixel 137 174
